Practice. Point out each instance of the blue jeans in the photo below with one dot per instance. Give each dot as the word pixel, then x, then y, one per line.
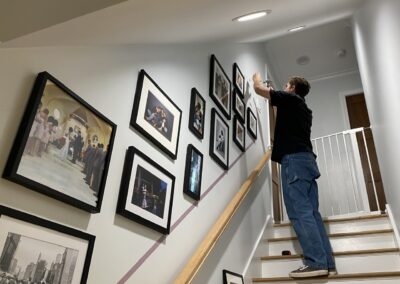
pixel 300 192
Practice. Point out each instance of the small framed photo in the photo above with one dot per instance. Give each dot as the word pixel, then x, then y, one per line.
pixel 232 277
pixel 35 250
pixel 155 115
pixel 220 87
pixel 193 172
pixel 239 134
pixel 219 140
pixel 197 114
pixel 238 80
pixel 146 192
pixel 252 123
pixel 63 146
pixel 238 106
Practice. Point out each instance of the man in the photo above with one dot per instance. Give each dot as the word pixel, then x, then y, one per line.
pixel 299 171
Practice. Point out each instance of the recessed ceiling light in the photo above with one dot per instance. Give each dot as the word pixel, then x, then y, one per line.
pixel 252 16
pixel 303 60
pixel 296 29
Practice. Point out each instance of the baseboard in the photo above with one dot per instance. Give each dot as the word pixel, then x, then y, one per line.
pixel 393 223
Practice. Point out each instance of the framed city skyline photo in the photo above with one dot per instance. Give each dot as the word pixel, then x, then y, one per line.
pixel 35 250
pixel 238 80
pixel 238 106
pixel 197 113
pixel 219 140
pixel 252 123
pixel 156 116
pixel 146 192
pixel 239 134
pixel 230 277
pixel 193 172
pixel 220 87
pixel 63 146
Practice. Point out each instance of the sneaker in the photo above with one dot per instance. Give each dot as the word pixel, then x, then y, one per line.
pixel 307 271
pixel 332 271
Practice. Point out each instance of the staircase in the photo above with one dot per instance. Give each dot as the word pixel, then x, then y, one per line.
pixel 364 247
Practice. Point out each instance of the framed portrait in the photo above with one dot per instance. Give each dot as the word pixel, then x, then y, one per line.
pixel 239 106
pixel 197 113
pixel 63 146
pixel 219 140
pixel 238 80
pixel 220 87
pixel 193 172
pixel 146 192
pixel 156 116
pixel 239 134
pixel 230 277
pixel 252 123
pixel 35 250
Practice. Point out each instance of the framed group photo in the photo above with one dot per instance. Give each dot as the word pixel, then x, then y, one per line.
pixel 219 140
pixel 220 87
pixel 197 113
pixel 63 146
pixel 239 106
pixel 230 277
pixel 193 172
pixel 35 250
pixel 146 193
pixel 239 134
pixel 238 80
pixel 252 123
pixel 156 116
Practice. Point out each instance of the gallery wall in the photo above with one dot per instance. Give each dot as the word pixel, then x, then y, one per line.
pixel 105 77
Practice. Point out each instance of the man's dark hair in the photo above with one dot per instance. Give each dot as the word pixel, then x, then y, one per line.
pixel 301 85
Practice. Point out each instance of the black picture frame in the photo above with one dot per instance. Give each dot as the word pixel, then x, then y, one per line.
pixel 25 238
pixel 156 116
pixel 238 80
pixel 193 172
pixel 239 134
pixel 251 123
pixel 53 145
pixel 220 87
pixel 239 107
pixel 146 192
pixel 197 114
pixel 230 277
pixel 219 140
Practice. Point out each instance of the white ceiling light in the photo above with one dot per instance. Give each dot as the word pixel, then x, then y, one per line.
pixel 252 16
pixel 296 29
pixel 303 60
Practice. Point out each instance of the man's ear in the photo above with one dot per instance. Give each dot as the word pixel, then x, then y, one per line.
pixel 292 89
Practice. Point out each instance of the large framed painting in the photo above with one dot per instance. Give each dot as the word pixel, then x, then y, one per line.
pixel 146 192
pixel 230 277
pixel 220 87
pixel 197 113
pixel 35 250
pixel 193 172
pixel 238 80
pixel 239 106
pixel 219 140
pixel 156 116
pixel 239 133
pixel 63 146
pixel 252 123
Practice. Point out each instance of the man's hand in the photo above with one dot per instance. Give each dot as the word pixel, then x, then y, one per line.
pixel 259 88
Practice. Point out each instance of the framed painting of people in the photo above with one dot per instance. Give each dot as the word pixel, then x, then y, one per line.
pixel 239 133
pixel 193 172
pixel 230 277
pixel 197 114
pixel 63 146
pixel 220 87
pixel 238 80
pixel 156 116
pixel 219 140
pixel 252 123
pixel 35 250
pixel 239 106
pixel 146 193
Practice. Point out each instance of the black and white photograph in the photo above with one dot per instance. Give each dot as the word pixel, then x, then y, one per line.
pixel 219 140
pixel 230 277
pixel 239 106
pixel 63 146
pixel 252 123
pixel 155 115
pixel 220 87
pixel 197 113
pixel 193 172
pixel 35 250
pixel 238 80
pixel 146 192
pixel 239 134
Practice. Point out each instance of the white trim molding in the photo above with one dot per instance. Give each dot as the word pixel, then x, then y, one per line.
pixel 393 223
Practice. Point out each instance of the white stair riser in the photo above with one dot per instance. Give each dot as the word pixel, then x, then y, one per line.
pixel 362 242
pixel 393 280
pixel 345 264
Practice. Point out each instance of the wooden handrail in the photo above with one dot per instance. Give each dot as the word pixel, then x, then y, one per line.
pixel 192 267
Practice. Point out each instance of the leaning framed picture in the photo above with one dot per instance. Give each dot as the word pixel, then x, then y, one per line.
pixel 219 140
pixel 35 250
pixel 155 115
pixel 230 277
pixel 239 133
pixel 197 113
pixel 238 80
pixel 220 87
pixel 252 123
pixel 146 192
pixel 238 106
pixel 193 172
pixel 63 146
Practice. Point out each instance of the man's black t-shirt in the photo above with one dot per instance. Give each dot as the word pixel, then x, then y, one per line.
pixel 293 125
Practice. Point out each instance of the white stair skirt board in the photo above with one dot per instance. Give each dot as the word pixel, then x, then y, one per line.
pixel 345 264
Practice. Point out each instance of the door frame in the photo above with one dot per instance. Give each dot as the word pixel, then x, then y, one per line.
pixel 342 99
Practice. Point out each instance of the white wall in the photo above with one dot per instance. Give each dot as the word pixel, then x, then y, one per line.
pixel 106 78
pixel 377 42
